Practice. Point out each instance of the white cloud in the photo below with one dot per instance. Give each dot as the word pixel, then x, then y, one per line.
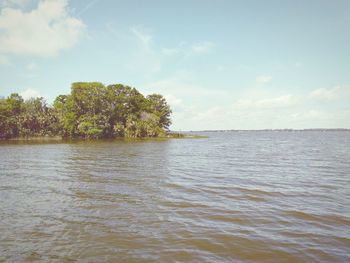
pixel 311 115
pixel 170 51
pixel 181 85
pixel 338 92
pixel 266 103
pixel 43 31
pixel 203 47
pixel 144 59
pixel 32 66
pixel 172 100
pixel 30 93
pixel 87 7
pixel 321 118
pixel 263 79
pixel 198 108
pixel 4 60
pixel 14 3
pixel 209 115
pixel 140 32
pixel 193 105
pixel 185 49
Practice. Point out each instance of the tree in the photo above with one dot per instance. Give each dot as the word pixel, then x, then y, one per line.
pixel 91 110
pixel 37 119
pixel 64 109
pixel 10 109
pixel 160 108
pixel 5 115
pixel 14 103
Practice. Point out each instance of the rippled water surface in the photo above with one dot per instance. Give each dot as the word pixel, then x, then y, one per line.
pixel 235 196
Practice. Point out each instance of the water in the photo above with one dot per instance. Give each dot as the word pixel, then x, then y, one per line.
pixel 235 196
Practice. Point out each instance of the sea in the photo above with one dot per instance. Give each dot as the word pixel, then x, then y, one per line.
pixel 229 196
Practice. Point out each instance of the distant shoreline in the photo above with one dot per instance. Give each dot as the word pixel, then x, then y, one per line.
pixel 170 135
pixel 277 130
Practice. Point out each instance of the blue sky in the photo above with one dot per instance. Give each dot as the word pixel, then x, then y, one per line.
pixel 220 64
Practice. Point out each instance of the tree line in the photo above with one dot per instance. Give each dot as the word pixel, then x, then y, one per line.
pixel 91 110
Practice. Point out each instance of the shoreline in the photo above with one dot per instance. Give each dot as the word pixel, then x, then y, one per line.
pixel 61 139
pixel 273 130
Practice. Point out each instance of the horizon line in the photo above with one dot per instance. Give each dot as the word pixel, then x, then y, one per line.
pixel 280 129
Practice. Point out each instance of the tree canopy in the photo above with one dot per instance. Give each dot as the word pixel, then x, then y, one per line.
pixel 91 110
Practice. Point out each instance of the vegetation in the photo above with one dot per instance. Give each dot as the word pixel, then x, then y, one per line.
pixel 92 110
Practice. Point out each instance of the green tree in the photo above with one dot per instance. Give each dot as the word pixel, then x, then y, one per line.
pixel 5 115
pixel 91 110
pixel 10 110
pixel 14 103
pixel 64 109
pixel 37 119
pixel 159 106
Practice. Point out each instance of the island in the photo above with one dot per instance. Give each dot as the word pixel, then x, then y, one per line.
pixel 91 110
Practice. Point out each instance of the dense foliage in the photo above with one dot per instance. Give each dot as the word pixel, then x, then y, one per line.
pixel 92 110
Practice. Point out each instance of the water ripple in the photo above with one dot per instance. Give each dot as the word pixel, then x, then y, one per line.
pixel 233 197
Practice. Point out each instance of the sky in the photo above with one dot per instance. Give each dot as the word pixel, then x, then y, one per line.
pixel 232 64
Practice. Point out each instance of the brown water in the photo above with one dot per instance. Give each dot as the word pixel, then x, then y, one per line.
pixel 235 196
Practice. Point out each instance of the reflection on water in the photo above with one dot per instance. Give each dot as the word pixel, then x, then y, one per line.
pixel 235 196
